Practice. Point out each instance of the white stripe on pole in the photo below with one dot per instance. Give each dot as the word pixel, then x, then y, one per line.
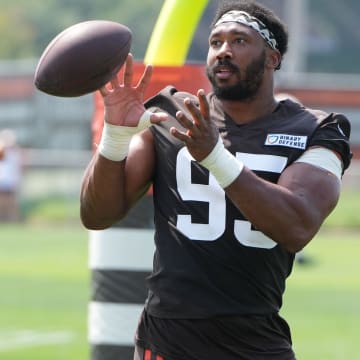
pixel 121 249
pixel 112 323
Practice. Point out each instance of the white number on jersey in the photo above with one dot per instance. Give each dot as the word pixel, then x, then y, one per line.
pixel 214 195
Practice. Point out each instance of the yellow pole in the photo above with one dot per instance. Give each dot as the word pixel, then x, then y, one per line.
pixel 173 32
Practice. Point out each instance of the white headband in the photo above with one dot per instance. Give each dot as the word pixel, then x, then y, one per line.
pixel 244 18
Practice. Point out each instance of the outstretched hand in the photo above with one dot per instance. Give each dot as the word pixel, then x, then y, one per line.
pixel 201 135
pixel 124 102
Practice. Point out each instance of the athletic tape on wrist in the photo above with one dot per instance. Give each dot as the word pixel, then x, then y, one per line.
pixel 115 139
pixel 222 164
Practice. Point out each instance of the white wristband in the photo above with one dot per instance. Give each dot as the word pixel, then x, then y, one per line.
pixel 222 164
pixel 115 140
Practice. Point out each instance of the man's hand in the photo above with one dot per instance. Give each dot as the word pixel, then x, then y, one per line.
pixel 124 102
pixel 202 134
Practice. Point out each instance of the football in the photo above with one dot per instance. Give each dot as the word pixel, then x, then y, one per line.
pixel 82 58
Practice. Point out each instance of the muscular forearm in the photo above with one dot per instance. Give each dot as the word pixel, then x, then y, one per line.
pixel 102 193
pixel 291 218
pixel 289 212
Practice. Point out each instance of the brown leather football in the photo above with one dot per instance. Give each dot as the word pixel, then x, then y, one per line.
pixel 83 58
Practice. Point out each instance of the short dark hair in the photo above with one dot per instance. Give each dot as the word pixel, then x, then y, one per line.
pixel 267 16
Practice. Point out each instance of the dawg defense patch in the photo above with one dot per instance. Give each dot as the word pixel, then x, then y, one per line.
pixel 291 141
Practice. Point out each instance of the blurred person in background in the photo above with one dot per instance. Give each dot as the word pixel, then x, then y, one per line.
pixel 10 176
pixel 2 150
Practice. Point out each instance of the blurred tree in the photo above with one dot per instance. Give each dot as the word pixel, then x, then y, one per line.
pixel 332 35
pixel 28 26
pixel 17 33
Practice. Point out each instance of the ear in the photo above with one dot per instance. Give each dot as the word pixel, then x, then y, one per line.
pixel 273 60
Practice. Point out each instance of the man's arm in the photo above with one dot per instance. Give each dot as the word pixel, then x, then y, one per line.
pixel 121 170
pixel 110 188
pixel 289 212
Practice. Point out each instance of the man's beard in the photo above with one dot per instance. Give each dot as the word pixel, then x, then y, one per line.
pixel 248 84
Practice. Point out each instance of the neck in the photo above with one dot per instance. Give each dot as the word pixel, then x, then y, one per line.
pixel 248 110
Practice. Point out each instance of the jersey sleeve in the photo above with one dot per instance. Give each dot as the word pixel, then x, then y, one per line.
pixel 333 133
pixel 170 100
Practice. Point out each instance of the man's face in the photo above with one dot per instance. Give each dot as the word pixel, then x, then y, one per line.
pixel 236 61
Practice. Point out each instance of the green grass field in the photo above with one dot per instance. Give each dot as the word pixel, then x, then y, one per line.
pixel 44 293
pixel 322 301
pixel 45 288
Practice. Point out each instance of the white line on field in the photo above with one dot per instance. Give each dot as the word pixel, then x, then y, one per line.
pixel 28 338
